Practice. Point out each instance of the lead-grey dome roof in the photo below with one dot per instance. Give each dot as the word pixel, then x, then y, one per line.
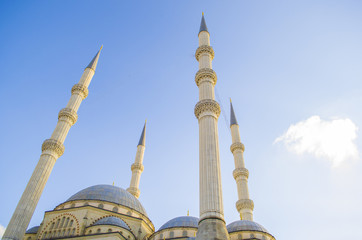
pixel 112 221
pixel 185 221
pixel 111 194
pixel 245 225
pixel 33 230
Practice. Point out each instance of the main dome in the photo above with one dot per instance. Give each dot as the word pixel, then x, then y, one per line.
pixel 111 194
pixel 185 221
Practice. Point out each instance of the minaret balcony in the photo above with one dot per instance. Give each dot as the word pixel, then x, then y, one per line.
pixel 207 105
pixel 205 74
pixel 204 49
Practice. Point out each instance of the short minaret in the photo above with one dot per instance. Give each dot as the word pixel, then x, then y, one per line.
pixel 207 110
pixel 52 149
pixel 137 167
pixel 244 205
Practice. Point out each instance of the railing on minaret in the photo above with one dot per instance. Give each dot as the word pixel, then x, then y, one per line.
pixel 52 149
pixel 137 167
pixel 244 205
pixel 207 110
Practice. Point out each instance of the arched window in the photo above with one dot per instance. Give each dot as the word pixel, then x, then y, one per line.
pixel 240 237
pixel 110 230
pixel 161 236
pixel 115 209
pixel 184 233
pixel 71 223
pixel 252 236
pixel 73 205
pixel 90 232
pixel 52 226
pixel 172 234
pixel 98 230
pixel 62 223
pixel 66 223
pixel 86 204
pixel 29 238
pixel 100 205
pixel 73 232
pixel 68 233
pixel 58 221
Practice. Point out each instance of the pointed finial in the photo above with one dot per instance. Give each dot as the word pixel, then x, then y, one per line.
pixel 232 115
pixel 142 140
pixel 203 26
pixel 202 13
pixel 113 184
pixel 188 212
pixel 94 62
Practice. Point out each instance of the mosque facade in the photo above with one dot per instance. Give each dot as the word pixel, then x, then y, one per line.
pixel 111 212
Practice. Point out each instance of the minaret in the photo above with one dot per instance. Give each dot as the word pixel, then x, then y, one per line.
pixel 207 110
pixel 244 205
pixel 137 167
pixel 52 149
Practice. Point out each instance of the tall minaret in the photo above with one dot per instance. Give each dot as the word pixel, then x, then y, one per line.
pixel 137 167
pixel 244 205
pixel 207 110
pixel 52 149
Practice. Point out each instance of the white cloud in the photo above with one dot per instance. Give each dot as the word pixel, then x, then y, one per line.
pixel 2 230
pixel 332 140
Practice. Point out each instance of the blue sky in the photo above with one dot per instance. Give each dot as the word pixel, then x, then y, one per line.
pixel 282 62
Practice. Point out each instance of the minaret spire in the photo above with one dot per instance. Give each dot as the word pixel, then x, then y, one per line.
pixel 137 167
pixel 244 205
pixel 52 149
pixel 94 62
pixel 207 110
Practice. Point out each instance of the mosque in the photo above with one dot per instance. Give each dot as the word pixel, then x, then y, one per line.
pixel 110 212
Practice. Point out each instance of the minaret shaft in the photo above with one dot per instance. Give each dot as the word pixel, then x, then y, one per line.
pixel 244 205
pixel 207 110
pixel 52 149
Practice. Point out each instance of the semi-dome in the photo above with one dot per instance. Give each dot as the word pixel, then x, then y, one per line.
pixel 115 221
pixel 111 194
pixel 185 221
pixel 33 230
pixel 245 225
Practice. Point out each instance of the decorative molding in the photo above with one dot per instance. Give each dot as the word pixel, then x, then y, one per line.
pixel 137 166
pixel 134 191
pixel 54 146
pixel 244 204
pixel 206 74
pixel 204 49
pixel 207 105
pixel 68 115
pixel 240 172
pixel 80 89
pixel 237 145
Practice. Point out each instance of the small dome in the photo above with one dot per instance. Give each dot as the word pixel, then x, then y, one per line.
pixel 109 193
pixel 245 225
pixel 185 221
pixel 112 221
pixel 33 230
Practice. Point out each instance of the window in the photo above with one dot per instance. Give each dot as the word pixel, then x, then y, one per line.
pixel 184 233
pixel 71 223
pixel 100 205
pixel 172 234
pixel 73 232
pixel 115 209
pixel 98 230
pixel 110 230
pixel 66 223
pixel 73 205
pixel 56 226
pixel 62 223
